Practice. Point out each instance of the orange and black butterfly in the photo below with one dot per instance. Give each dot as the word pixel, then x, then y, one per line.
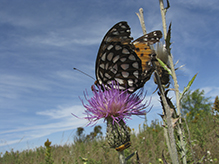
pixel 128 63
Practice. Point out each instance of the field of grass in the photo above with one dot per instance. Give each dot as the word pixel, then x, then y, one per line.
pixel 202 147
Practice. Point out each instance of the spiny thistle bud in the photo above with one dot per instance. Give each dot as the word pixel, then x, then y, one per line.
pixel 118 135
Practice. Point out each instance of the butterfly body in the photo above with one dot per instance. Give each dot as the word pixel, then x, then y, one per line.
pixel 123 61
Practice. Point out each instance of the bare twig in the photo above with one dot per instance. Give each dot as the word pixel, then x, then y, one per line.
pixel 141 19
pixel 163 15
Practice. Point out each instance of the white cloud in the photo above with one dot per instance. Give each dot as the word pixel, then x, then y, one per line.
pixel 23 81
pixel 63 121
pixel 62 112
pixel 211 91
pixel 62 39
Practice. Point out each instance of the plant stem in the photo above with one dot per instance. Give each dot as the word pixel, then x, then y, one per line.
pixel 121 157
pixel 172 150
pixel 141 19
pixel 176 86
pixel 172 144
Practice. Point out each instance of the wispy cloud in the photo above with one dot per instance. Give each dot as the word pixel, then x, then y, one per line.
pixel 62 121
pixel 211 92
pixel 62 112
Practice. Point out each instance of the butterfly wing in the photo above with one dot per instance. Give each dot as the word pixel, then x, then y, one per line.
pixel 149 38
pixel 119 60
pixel 144 52
pixel 120 32
pixel 121 64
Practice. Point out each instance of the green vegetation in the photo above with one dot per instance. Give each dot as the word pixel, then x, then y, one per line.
pixel 201 126
pixel 194 103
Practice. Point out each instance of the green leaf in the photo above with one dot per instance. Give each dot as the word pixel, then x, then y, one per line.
pixel 168 37
pixel 188 86
pixel 165 66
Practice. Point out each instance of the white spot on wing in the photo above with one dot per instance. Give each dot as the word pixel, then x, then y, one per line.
pixel 101 66
pixel 123 59
pixel 114 29
pixel 106 66
pixel 99 81
pixel 125 74
pixel 117 47
pixel 120 81
pixel 123 26
pixel 107 75
pixel 114 71
pixel 136 73
pixel 101 74
pixel 110 56
pixel 130 82
pixel 107 40
pixel 110 47
pixel 115 33
pixel 115 68
pixel 131 89
pixel 116 58
pixel 125 66
pixel 135 65
pixel 109 82
pixel 122 88
pixel 103 57
pixel 125 51
pixel 132 57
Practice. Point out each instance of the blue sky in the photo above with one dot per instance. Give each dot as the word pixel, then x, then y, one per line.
pixel 41 41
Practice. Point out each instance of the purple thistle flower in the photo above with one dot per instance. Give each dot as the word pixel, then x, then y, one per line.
pixel 113 103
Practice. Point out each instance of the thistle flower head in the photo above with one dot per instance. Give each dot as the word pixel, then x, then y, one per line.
pixel 110 102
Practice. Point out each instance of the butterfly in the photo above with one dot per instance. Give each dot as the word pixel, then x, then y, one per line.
pixel 126 62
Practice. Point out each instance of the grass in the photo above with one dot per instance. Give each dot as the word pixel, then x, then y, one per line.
pixel 149 142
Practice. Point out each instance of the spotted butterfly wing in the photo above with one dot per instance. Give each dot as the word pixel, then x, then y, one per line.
pixel 143 49
pixel 120 32
pixel 149 38
pixel 119 60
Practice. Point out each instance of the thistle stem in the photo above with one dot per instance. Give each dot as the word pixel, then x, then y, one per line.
pixel 176 86
pixel 121 157
pixel 172 150
pixel 172 144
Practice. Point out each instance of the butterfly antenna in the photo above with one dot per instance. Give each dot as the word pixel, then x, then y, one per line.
pixel 83 73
